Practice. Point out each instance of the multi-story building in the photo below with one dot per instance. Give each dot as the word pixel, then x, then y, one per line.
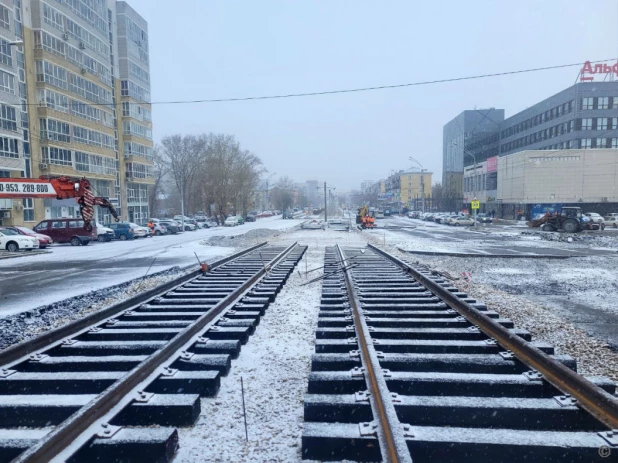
pixel 583 116
pixel 462 136
pixel 136 132
pixel 366 184
pixel 14 153
pixel 407 189
pixel 77 58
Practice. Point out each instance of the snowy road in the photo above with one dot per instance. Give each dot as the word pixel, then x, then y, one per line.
pixel 27 282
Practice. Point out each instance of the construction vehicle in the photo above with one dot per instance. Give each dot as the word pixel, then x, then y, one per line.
pixel 568 219
pixel 59 187
pixel 365 218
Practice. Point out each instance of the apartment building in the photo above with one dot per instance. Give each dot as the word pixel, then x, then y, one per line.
pixel 83 84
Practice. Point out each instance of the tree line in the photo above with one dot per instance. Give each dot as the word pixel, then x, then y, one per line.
pixel 207 170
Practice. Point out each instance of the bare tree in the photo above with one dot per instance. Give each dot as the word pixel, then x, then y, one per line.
pixel 160 170
pixel 282 195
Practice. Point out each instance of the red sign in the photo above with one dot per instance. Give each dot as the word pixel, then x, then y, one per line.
pixel 492 164
pixel 598 69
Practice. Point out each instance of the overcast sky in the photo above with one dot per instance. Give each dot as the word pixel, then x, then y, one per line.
pixel 202 49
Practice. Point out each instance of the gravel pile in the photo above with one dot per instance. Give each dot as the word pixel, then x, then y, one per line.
pixel 250 238
pixel 560 237
pixel 25 325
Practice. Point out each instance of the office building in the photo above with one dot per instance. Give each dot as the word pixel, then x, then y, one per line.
pixel 83 86
pixel 583 116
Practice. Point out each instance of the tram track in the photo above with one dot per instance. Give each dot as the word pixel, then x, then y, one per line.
pixel 113 386
pixel 408 368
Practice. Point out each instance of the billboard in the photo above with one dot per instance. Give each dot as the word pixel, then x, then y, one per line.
pixel 492 164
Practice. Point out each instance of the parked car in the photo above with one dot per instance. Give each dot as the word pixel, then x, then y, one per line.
pixel 450 220
pixel 264 214
pixel 44 240
pixel 171 225
pixel 596 218
pixel 250 218
pixel 611 221
pixel 67 230
pixel 122 230
pixel 241 219
pixel 104 234
pixel 231 221
pixel 484 218
pixel 288 215
pixel 178 218
pixel 13 241
pixel 189 226
pixel 140 232
pixel 462 221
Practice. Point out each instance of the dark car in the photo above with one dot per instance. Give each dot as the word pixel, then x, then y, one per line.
pixel 171 226
pixel 122 230
pixel 69 230
pixel 250 218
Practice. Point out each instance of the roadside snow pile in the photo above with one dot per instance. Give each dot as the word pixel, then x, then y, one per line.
pixel 25 325
pixel 561 237
pixel 252 237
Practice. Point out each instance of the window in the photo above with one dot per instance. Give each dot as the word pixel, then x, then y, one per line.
pixel 59 224
pixel 28 209
pixel 52 129
pixel 5 53
pixel 588 103
pixel 5 18
pixel 585 143
pixel 51 74
pixel 602 123
pixel 7 82
pixel 614 143
pixel 60 156
pixel 587 123
pixel 53 17
pixel 9 147
pixel 603 102
pixel 8 118
pixel 601 142
pixel 53 100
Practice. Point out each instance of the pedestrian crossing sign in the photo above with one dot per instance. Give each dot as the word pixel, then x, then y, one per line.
pixel 475 204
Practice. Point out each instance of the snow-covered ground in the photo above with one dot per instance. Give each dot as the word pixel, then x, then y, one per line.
pixel 31 281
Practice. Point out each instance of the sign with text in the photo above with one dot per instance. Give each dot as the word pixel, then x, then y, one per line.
pixel 492 164
pixel 22 188
pixel 587 71
pixel 475 204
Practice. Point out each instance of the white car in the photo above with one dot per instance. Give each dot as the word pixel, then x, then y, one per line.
pixel 459 221
pixel 12 241
pixel 594 217
pixel 104 234
pixel 140 232
pixel 611 221
pixel 231 221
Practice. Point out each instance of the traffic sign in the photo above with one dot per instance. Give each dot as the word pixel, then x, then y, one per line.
pixel 475 204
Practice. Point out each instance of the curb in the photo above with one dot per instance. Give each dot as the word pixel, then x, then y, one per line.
pixel 13 255
pixel 503 256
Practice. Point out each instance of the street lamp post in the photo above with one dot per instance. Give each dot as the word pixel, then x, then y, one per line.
pixel 268 190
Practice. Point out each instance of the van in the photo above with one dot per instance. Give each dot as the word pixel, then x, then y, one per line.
pixel 67 230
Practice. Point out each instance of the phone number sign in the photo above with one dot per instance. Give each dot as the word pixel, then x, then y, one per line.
pixel 18 189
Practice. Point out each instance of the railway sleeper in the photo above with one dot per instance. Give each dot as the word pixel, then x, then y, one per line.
pixel 445 384
pixel 466 412
pixel 428 444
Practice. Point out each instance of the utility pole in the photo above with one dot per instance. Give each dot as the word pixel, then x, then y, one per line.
pixel 325 205
pixel 182 202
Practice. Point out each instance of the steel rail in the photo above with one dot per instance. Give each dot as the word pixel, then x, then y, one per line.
pixel 600 404
pixel 70 429
pixel 17 351
pixel 390 431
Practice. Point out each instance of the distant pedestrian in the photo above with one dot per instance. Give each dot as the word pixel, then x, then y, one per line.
pixel 493 213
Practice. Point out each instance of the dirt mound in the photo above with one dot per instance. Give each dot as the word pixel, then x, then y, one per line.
pixel 255 236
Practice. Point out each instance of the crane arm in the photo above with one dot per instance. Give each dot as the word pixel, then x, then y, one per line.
pixel 62 187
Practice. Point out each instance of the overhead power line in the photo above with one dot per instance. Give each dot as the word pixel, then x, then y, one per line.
pixel 355 90
pixel 380 87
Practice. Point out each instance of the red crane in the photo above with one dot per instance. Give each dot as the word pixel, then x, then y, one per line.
pixel 60 187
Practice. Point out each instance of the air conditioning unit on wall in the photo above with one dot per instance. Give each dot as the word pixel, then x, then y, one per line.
pixel 43 166
pixel 6 215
